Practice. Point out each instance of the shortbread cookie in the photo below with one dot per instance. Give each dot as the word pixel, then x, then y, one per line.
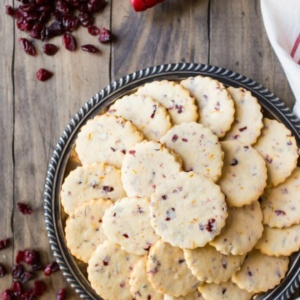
pixel 109 270
pixel 279 241
pixel 150 117
pixel 209 265
pixel 242 230
pixel 127 223
pixel 188 210
pixel 260 272
pixel 247 119
pixel 216 106
pixel 145 166
pixel 280 205
pixel 191 296
pixel 279 149
pixel 140 287
pixel 244 174
pixel 84 230
pixel 224 291
pixel 106 138
pixel 174 97
pixel 167 270
pixel 198 147
pixel 94 181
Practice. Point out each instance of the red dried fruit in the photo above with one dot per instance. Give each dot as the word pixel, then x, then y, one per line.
pixel 61 295
pixel 27 46
pixel 96 5
pixel 105 35
pixel 39 288
pixel 70 22
pixel 19 256
pixel 28 295
pixel 43 74
pixel 26 276
pixel 9 10
pixel 3 271
pixel 17 271
pixel 17 288
pixel 4 243
pixel 31 257
pixel 50 49
pixel 90 48
pixel 93 30
pixel 86 19
pixel 7 295
pixel 51 268
pixel 69 41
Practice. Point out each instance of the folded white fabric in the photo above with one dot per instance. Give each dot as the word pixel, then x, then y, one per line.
pixel 282 23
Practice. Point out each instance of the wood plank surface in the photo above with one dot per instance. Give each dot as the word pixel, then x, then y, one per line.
pixel 33 114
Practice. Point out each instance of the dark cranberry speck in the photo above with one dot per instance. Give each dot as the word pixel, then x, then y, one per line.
pixel 90 48
pixel 61 295
pixel 24 208
pixel 27 46
pixel 50 49
pixel 105 35
pixel 4 243
pixel 51 268
pixel 43 74
pixel 69 42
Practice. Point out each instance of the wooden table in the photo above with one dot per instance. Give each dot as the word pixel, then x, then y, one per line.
pixel 33 114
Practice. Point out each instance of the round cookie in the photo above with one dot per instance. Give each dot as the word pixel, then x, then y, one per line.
pixel 97 180
pixel 106 262
pixel 127 223
pixel 106 138
pixel 244 174
pixel 84 230
pixel 174 97
pixel 279 149
pixel 167 270
pixel 224 291
pixel 247 122
pixel 279 241
pixel 260 272
pixel 191 296
pixel 198 148
pixel 151 118
pixel 280 204
pixel 146 165
pixel 242 230
pixel 216 106
pixel 188 210
pixel 140 287
pixel 209 265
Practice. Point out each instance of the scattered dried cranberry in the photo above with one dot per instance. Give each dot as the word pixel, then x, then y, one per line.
pixel 28 295
pixel 86 19
pixel 26 277
pixel 51 268
pixel 61 295
pixel 43 74
pixel 96 5
pixel 4 243
pixel 3 271
pixel 93 30
pixel 17 288
pixel 90 48
pixel 24 208
pixel 50 49
pixel 105 35
pixel 69 41
pixel 70 22
pixel 9 10
pixel 7 295
pixel 31 257
pixel 39 288
pixel 17 271
pixel 19 256
pixel 27 46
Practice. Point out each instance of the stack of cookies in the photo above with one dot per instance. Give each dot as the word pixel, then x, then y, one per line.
pixel 185 191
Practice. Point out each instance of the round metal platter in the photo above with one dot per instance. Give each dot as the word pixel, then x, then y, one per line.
pixel 59 166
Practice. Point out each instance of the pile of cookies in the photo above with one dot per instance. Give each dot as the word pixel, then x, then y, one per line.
pixel 185 191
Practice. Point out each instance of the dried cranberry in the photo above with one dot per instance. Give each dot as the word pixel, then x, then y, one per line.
pixel 69 41
pixel 39 288
pixel 3 271
pixel 9 10
pixel 43 74
pixel 50 49
pixel 93 30
pixel 61 295
pixel 7 295
pixel 90 48
pixel 96 5
pixel 51 268
pixel 17 288
pixel 17 271
pixel 29 48
pixel 19 256
pixel 31 257
pixel 4 243
pixel 105 35
pixel 70 22
pixel 56 28
pixel 26 277
pixel 86 19
pixel 62 7
pixel 28 295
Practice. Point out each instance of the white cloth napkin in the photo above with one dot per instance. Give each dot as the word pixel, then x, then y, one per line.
pixel 282 23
